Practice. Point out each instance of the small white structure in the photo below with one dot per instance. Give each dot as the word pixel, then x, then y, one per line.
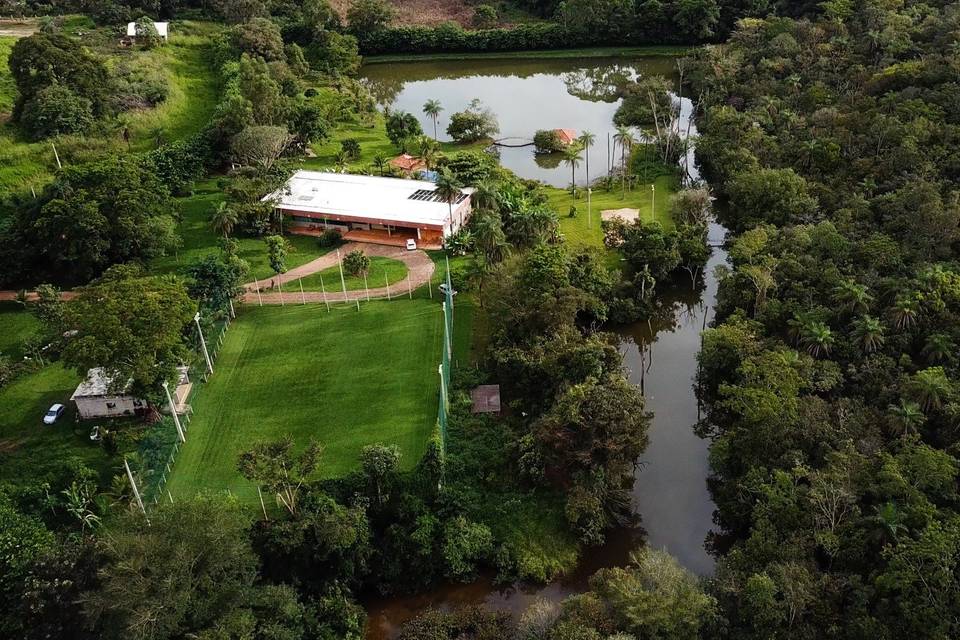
pixel 95 400
pixel 370 208
pixel 162 29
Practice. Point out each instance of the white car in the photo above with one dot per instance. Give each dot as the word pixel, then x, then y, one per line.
pixel 53 413
pixel 411 244
pixel 96 434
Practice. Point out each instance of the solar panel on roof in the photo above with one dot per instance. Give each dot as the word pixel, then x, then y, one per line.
pixel 430 195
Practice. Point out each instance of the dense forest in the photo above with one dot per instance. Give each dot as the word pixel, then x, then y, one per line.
pixel 829 138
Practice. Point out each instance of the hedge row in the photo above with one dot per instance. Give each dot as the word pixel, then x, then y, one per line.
pixel 451 37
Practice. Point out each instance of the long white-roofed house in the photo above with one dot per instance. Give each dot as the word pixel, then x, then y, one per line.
pixel 370 208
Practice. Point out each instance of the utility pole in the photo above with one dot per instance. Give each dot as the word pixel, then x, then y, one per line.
pixel 133 484
pixel 203 343
pixel 173 412
pixel 653 202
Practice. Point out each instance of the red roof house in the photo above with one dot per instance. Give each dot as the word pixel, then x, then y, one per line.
pixel 408 163
pixel 567 136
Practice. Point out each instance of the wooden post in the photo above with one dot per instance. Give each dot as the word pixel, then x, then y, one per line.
pixel 324 290
pixel 409 289
pixel 56 155
pixel 365 285
pixel 387 283
pixel 262 506
pixel 259 298
pixel 303 300
pixel 280 287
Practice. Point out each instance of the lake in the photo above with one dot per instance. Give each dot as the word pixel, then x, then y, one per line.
pixel 526 95
pixel 670 493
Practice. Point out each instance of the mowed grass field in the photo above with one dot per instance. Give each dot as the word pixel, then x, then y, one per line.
pixel 382 271
pixel 344 378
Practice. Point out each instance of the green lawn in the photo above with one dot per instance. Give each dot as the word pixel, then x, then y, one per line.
pixel 382 270
pixel 585 231
pixel 29 448
pixel 17 323
pixel 373 140
pixel 200 240
pixel 346 378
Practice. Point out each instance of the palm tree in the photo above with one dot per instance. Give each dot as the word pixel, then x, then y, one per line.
pixel 905 311
pixel 906 417
pixel 938 348
pixel 818 339
pixel 572 158
pixel 489 238
pixel 449 188
pixel 380 161
pixel 340 161
pixel 625 140
pixel 931 388
pixel 428 151
pixel 869 333
pixel 486 196
pixel 884 525
pixel 478 272
pixel 224 219
pixel 432 108
pixel 853 297
pixel 586 141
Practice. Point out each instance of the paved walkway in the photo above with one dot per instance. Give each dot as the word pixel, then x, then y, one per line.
pixel 420 269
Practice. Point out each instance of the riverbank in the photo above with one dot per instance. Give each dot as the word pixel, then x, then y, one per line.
pixel 649 51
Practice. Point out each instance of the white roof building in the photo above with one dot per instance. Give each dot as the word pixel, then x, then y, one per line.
pixel 372 206
pixel 162 29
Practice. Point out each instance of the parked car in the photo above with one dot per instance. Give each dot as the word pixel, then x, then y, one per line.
pixel 53 413
pixel 411 244
pixel 95 434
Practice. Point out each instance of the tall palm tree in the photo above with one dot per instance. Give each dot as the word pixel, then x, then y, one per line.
pixel 489 238
pixel 224 219
pixel 884 524
pixel 380 161
pixel 626 141
pixel 428 151
pixel 432 108
pixel 869 333
pixel 906 417
pixel 938 348
pixel 818 339
pixel 586 141
pixel 478 272
pixel 449 188
pixel 486 196
pixel 930 388
pixel 905 312
pixel 852 297
pixel 572 158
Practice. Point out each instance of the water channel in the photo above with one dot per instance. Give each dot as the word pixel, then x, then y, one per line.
pixel 670 492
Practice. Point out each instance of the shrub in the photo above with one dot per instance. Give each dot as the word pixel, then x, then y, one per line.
pixel 356 262
pixel 259 37
pixel 147 35
pixel 56 110
pixel 138 85
pixel 351 148
pixel 484 16
pixel 330 238
pixel 547 141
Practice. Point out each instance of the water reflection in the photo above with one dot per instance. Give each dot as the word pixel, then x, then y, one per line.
pixel 526 95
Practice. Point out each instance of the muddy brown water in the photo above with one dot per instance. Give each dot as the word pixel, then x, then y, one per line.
pixel 670 493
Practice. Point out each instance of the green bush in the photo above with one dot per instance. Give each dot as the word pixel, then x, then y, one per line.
pixel 547 141
pixel 56 110
pixel 356 262
pixel 330 238
pixel 484 16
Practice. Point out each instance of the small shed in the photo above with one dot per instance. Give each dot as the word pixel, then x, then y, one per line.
pixel 486 398
pixel 94 398
pixel 161 27
pixel 566 136
pixel 408 164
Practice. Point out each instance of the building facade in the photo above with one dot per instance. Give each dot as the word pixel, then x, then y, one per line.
pixel 370 208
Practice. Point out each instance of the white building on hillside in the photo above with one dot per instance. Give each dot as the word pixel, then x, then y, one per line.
pixel 162 29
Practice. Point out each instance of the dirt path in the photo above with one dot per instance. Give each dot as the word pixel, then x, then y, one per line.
pixel 419 271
